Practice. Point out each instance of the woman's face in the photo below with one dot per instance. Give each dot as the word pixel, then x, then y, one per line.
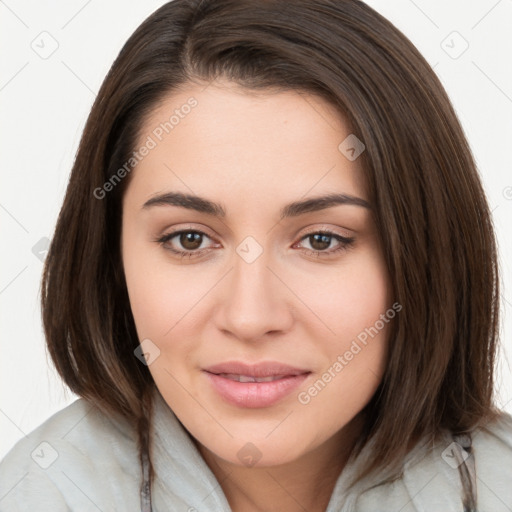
pixel 258 283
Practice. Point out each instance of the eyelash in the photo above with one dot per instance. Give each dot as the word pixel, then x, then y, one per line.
pixel 345 243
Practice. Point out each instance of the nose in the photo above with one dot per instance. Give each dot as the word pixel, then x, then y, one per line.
pixel 254 300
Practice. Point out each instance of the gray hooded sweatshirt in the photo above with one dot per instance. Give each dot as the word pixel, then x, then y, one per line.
pixel 82 460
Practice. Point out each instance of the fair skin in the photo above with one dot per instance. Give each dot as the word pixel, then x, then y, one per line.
pixel 254 154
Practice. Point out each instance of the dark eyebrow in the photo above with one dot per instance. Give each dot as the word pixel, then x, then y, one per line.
pixel 321 203
pixel 294 209
pixel 186 201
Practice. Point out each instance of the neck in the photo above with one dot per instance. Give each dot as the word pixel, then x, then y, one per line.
pixel 306 483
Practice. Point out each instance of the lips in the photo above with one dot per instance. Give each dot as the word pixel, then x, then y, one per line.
pixel 248 378
pixel 259 370
pixel 255 386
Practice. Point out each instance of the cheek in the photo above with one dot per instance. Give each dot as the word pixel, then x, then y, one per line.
pixel 152 293
pixel 164 299
pixel 349 299
pixel 367 318
pixel 350 305
pixel 357 352
pixel 364 299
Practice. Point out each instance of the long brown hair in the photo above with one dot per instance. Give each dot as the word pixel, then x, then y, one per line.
pixel 430 209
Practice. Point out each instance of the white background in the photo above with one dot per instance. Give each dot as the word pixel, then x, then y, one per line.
pixel 45 102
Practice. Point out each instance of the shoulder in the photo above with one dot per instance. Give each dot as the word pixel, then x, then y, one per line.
pixel 432 475
pixel 71 462
pixel 492 451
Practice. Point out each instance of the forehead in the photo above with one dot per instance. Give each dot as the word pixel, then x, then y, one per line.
pixel 220 137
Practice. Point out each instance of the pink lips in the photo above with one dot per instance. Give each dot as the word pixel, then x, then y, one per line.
pixel 241 384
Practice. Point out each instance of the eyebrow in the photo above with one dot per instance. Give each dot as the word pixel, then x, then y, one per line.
pixel 203 205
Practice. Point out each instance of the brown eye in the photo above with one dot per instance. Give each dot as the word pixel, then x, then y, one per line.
pixel 319 241
pixel 185 243
pixel 190 240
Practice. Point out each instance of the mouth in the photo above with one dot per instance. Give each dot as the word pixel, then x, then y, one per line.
pixel 249 378
pixel 254 386
pixel 258 370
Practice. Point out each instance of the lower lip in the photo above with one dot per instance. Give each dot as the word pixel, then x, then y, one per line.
pixel 255 394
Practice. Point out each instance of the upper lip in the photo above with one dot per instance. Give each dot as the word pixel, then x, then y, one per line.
pixel 262 369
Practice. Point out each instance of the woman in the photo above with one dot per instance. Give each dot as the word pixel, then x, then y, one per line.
pixel 273 280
